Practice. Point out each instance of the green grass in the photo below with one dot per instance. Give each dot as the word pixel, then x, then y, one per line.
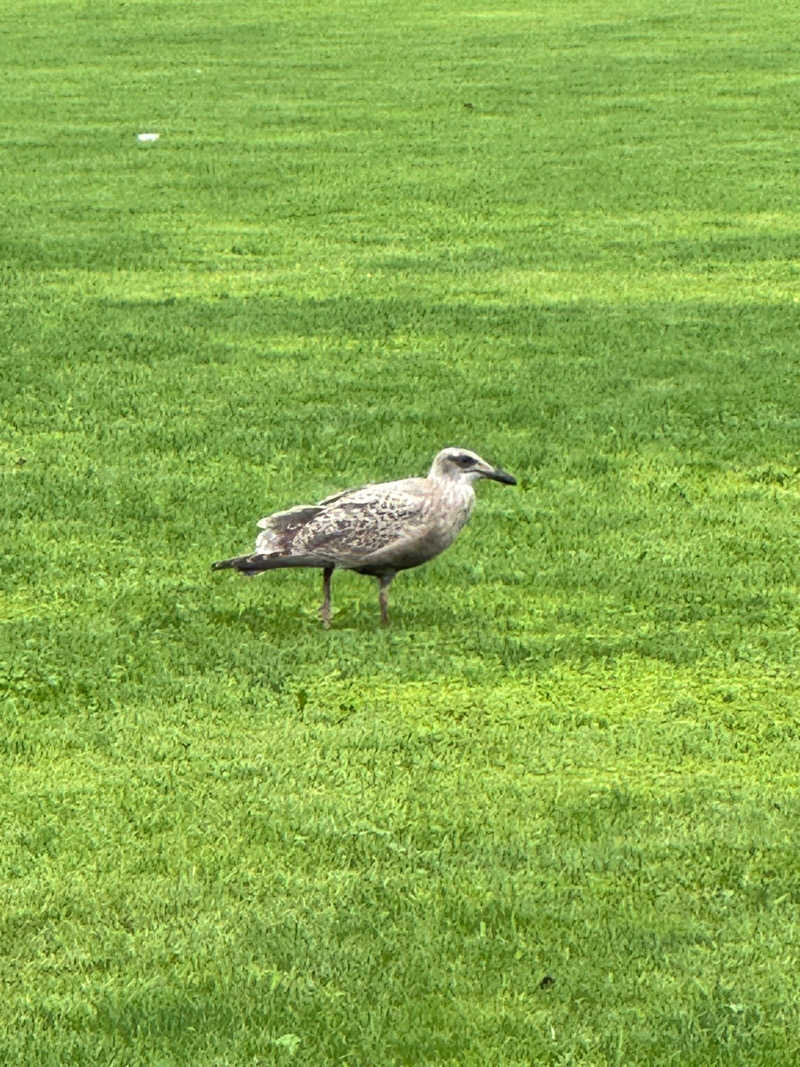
pixel 551 815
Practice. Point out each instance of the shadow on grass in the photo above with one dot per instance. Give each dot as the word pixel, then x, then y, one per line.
pixel 443 638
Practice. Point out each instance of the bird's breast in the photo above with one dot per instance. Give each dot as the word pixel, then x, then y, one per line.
pixel 455 503
pixel 448 513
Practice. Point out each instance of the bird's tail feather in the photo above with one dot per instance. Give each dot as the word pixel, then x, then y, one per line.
pixel 258 562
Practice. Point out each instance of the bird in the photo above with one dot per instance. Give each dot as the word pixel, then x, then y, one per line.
pixel 377 529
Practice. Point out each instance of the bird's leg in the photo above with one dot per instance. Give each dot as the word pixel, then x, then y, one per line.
pixel 383 596
pixel 325 610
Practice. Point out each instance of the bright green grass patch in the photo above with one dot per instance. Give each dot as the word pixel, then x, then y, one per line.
pixel 550 816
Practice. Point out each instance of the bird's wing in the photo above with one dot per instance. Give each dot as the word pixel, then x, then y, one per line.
pixel 358 523
pixel 278 531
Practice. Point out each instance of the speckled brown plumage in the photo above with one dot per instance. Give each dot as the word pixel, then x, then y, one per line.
pixel 378 529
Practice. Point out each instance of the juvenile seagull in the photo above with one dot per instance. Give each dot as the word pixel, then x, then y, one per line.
pixel 378 529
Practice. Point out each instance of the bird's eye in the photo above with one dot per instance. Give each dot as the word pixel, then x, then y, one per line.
pixel 464 460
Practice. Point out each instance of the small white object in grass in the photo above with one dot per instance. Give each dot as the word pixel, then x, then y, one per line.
pixel 147 136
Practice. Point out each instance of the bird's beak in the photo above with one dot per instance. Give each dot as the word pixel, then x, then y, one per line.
pixel 499 475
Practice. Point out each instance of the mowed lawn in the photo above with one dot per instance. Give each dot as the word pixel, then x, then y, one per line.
pixel 550 816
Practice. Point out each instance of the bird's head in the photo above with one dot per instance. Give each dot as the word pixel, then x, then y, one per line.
pixel 460 463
